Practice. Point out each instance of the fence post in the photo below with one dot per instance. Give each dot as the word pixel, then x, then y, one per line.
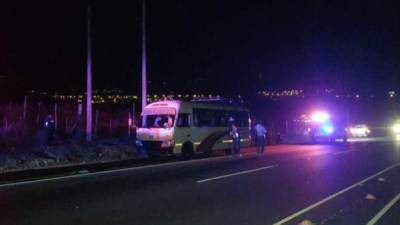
pixel 129 123
pixel 110 125
pixel 79 120
pixel 66 125
pixel 5 123
pixel 287 127
pixel 25 107
pixel 79 113
pixel 55 115
pixel 38 113
pixel 133 115
pixel 96 122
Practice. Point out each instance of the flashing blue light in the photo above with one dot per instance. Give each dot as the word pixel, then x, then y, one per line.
pixel 327 129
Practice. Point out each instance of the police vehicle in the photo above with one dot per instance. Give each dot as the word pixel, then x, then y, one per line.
pixel 322 128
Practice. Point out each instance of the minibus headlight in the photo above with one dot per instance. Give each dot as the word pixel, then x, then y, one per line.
pixel 168 143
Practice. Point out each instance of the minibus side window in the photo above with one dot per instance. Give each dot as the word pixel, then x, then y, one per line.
pixel 204 117
pixel 183 120
pixel 241 118
pixel 221 120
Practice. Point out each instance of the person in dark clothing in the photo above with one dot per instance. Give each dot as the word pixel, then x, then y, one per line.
pixel 49 127
pixel 278 138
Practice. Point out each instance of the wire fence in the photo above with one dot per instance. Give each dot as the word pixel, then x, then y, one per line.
pixel 21 122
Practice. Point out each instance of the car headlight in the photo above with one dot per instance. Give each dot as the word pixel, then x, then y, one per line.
pixel 359 130
pixel 396 128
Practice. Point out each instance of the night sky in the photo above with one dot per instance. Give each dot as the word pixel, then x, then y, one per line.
pixel 215 46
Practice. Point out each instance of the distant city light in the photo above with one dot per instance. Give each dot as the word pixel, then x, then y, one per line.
pixel 284 93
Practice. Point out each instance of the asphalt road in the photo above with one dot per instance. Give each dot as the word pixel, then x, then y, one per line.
pixel 353 183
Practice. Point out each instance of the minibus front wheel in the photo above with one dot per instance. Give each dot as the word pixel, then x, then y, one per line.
pixel 187 150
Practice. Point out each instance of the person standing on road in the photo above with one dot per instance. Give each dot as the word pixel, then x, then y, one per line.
pixel 260 132
pixel 49 126
pixel 235 141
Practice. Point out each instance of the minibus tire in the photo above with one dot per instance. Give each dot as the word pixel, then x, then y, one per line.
pixel 187 150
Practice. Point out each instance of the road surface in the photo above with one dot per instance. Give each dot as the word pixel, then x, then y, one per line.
pixel 353 183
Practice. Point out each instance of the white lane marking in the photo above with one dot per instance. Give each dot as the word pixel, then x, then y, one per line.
pixel 235 174
pixel 249 155
pixel 287 219
pixel 384 210
pixel 342 152
pixel 347 151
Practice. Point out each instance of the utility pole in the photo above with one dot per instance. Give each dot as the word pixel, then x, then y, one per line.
pixel 144 63
pixel 89 81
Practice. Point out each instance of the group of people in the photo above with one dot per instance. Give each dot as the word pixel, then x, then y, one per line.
pixel 258 131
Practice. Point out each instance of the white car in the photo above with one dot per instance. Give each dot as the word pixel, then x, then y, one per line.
pixel 359 131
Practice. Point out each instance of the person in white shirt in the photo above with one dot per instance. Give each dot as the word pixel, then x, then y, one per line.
pixel 235 141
